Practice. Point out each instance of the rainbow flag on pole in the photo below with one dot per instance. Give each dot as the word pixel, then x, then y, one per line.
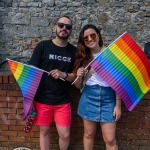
pixel 125 67
pixel 28 79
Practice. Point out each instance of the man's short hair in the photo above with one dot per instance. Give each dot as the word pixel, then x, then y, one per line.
pixel 65 17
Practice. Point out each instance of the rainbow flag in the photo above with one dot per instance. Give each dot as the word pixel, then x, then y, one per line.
pixel 125 67
pixel 28 79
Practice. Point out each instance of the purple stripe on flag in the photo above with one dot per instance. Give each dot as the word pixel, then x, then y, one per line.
pixel 31 92
pixel 131 107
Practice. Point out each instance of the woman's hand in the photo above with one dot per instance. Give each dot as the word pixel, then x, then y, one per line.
pixel 80 72
pixel 117 112
pixel 79 80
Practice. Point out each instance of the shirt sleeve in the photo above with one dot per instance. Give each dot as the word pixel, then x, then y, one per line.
pixel 36 57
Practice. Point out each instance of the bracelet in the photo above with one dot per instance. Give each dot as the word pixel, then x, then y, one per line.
pixel 66 76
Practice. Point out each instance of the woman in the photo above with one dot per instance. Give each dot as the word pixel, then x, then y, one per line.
pixel 98 102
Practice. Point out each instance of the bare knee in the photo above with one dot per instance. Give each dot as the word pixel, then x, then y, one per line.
pixel 44 131
pixel 64 136
pixel 88 134
pixel 110 141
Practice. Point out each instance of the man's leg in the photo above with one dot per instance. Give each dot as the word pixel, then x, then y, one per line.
pixel 44 119
pixel 64 136
pixel 62 118
pixel 45 137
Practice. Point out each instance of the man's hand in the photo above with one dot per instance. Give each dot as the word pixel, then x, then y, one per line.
pixel 57 74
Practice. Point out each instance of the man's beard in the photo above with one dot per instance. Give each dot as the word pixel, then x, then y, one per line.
pixel 63 37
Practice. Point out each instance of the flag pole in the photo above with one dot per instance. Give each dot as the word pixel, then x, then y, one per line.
pixel 33 67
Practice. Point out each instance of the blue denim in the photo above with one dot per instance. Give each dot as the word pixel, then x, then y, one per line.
pixel 97 103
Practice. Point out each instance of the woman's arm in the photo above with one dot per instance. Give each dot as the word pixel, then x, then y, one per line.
pixel 117 109
pixel 79 83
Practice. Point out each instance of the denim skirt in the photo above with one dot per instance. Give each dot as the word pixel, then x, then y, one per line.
pixel 97 103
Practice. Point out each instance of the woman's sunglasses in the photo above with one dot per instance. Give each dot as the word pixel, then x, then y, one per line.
pixel 61 25
pixel 92 36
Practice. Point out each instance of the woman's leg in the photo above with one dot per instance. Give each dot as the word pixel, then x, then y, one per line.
pixel 45 137
pixel 109 133
pixel 89 134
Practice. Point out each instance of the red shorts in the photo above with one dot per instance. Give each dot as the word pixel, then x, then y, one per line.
pixel 60 114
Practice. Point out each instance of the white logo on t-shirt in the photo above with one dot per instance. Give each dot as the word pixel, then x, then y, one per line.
pixel 60 58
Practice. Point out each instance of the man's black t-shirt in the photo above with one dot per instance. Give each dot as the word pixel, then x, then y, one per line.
pixel 48 56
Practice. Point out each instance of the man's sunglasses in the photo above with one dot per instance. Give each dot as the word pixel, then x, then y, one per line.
pixel 61 25
pixel 92 36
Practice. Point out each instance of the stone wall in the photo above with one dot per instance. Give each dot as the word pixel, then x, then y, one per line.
pixel 23 23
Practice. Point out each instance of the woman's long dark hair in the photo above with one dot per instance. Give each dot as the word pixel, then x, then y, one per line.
pixel 83 53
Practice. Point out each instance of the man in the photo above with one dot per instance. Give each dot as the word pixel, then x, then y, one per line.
pixel 52 101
